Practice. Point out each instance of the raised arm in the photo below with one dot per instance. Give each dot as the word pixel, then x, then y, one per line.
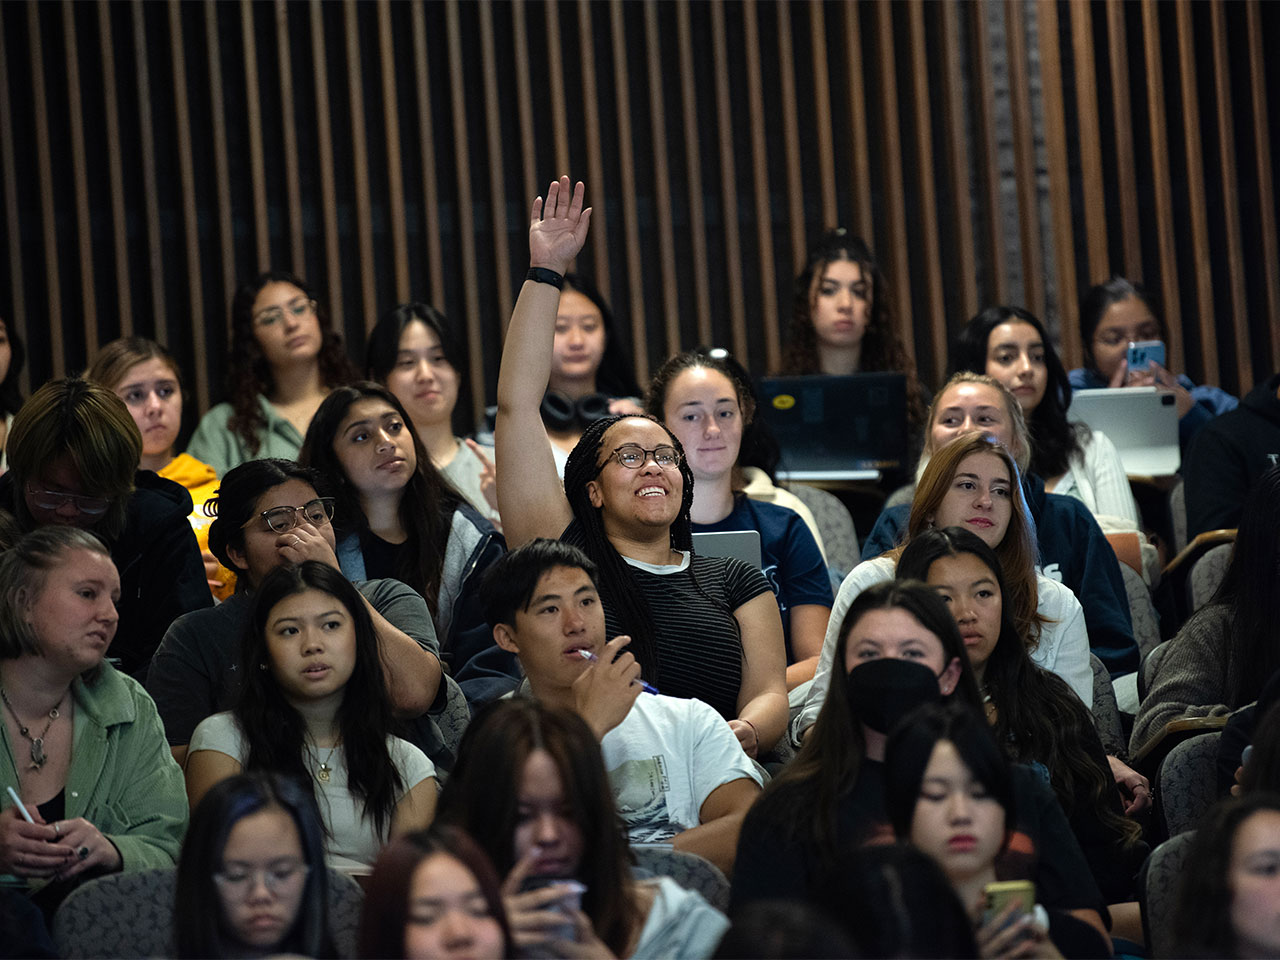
pixel 531 500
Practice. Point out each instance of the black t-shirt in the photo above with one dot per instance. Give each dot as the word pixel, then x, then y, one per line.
pixel 774 864
pixel 382 559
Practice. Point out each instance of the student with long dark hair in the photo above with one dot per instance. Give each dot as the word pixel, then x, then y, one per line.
pixel 701 627
pixel 285 358
pixel 12 357
pixel 531 787
pixel 252 880
pixel 708 407
pixel 1010 344
pixel 898 648
pixel 952 795
pixel 1035 716
pixel 397 516
pixel 1226 902
pixel 414 352
pixel 1223 656
pixel 1119 311
pixel 842 322
pixel 434 895
pixel 314 704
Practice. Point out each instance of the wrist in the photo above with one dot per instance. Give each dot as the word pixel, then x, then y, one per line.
pixel 548 273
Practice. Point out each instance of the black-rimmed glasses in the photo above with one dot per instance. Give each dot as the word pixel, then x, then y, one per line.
pixel 633 456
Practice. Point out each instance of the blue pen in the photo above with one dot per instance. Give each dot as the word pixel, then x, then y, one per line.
pixel 646 687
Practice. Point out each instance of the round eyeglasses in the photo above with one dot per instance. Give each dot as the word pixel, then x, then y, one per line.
pixel 633 456
pixel 316 512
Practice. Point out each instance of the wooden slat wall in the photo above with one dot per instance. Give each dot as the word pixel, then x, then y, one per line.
pixel 717 141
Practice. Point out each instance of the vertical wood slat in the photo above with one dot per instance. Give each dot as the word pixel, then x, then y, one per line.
pixel 395 176
pixel 328 182
pixel 257 162
pixel 1126 186
pixel 822 105
pixel 289 142
pixel 554 68
pixel 986 163
pixel 1266 189
pixel 1055 125
pixel 12 225
pixel 427 146
pixel 147 144
pixel 928 199
pixel 221 170
pixel 700 268
pixel 1161 182
pixel 80 177
pixel 1090 146
pixel 627 188
pixel 760 181
pixel 1196 194
pixel 115 171
pixel 894 254
pixel 860 165
pixel 595 148
pixel 957 158
pixel 1239 303
pixel 360 164
pixel 728 183
pixel 190 221
pixel 790 134
pixel 1024 159
pixel 524 102
pixel 53 282
pixel 662 180
pixel 497 190
pixel 465 217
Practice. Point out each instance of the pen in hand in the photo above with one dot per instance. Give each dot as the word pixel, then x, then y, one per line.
pixel 17 802
pixel 646 687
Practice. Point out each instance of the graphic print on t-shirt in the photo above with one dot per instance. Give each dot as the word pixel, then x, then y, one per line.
pixel 640 788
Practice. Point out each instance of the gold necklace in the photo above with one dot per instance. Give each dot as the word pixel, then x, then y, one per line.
pixel 38 756
pixel 324 771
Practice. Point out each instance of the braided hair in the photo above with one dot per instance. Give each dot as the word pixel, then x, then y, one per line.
pixel 618 587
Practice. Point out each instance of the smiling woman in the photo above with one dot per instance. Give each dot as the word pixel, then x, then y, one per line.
pixel 69 718
pixel 314 704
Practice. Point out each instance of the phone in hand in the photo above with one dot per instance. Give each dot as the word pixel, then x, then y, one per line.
pixel 567 904
pixel 1001 894
pixel 1142 353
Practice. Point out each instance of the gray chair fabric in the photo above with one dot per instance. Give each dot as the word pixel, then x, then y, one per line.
pixel 1206 575
pixel 1148 667
pixel 1187 783
pixel 687 869
pixel 1178 511
pixel 1106 713
pixel 1142 609
pixel 904 494
pixel 1158 892
pixel 453 720
pixel 839 538
pixel 130 915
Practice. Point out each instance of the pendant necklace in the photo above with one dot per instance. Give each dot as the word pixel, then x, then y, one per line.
pixel 324 771
pixel 38 756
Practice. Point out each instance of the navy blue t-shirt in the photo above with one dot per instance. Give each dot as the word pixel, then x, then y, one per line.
pixel 790 558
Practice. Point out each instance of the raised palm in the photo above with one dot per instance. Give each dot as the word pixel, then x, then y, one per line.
pixel 558 227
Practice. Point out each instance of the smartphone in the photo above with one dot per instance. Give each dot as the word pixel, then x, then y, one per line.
pixel 566 904
pixel 1245 755
pixel 1002 893
pixel 1142 353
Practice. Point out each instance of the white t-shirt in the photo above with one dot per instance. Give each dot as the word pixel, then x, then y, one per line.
pixel 352 840
pixel 665 759
pixel 1063 647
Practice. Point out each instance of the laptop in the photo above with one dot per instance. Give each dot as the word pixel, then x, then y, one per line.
pixel 1141 421
pixel 849 427
pixel 742 545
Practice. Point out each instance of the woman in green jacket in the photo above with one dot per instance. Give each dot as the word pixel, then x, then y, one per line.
pixel 81 744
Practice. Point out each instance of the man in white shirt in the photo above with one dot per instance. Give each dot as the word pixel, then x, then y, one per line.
pixel 677 770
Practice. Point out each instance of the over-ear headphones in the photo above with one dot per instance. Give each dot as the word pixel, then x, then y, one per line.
pixel 561 413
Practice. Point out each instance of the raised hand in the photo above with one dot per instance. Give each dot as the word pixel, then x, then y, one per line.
pixel 606 689
pixel 558 227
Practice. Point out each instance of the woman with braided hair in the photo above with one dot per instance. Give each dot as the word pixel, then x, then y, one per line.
pixel 701 627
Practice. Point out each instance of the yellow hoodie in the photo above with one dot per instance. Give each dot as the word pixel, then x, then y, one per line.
pixel 202 483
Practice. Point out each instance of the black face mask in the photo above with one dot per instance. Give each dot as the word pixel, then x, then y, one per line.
pixel 883 691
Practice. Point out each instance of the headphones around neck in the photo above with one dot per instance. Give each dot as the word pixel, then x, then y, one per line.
pixel 561 413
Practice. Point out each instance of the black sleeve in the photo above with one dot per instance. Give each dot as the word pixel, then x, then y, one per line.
pixel 1062 876
pixel 1216 481
pixel 182 684
pixel 768 866
pixel 481 668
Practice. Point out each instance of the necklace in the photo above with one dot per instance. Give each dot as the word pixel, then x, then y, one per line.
pixel 38 756
pixel 324 771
